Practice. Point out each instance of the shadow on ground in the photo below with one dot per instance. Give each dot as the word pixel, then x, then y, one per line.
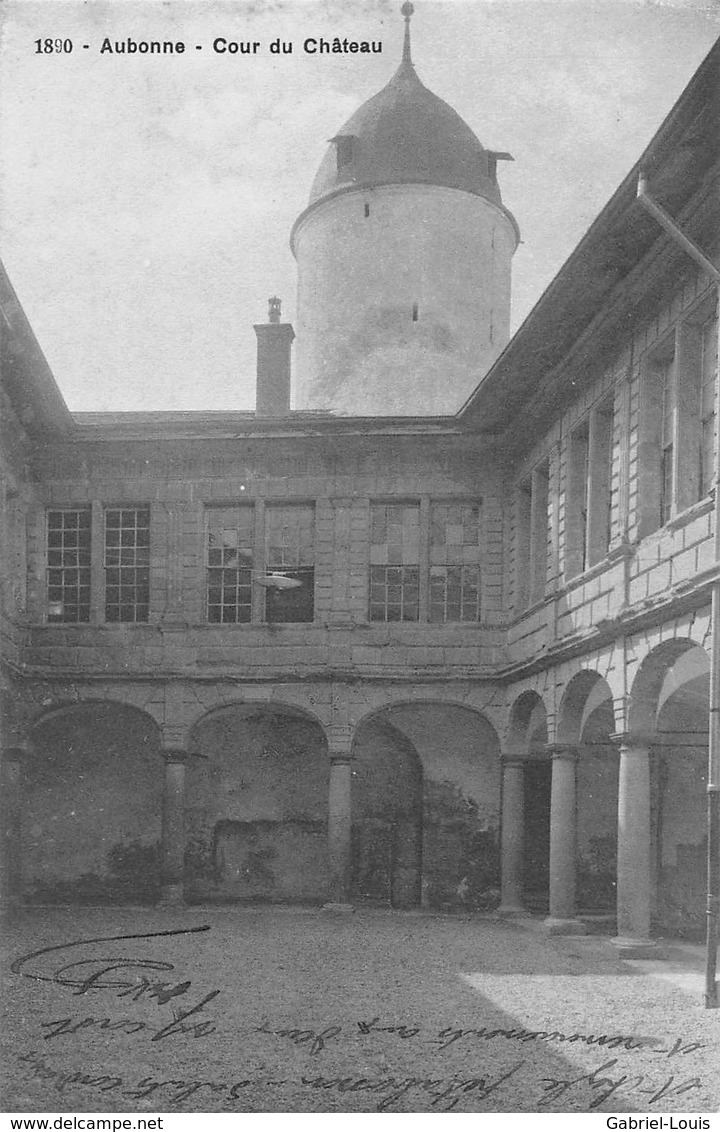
pixel 272 1010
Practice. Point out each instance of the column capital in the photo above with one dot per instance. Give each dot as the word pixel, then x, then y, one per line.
pixel 339 740
pixel 175 754
pixel 173 735
pixel 513 760
pixel 340 758
pixel 640 740
pixel 569 751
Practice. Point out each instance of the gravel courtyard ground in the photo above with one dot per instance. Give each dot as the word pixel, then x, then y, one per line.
pixel 297 1010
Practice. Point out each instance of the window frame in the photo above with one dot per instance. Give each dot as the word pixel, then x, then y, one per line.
pixel 671 476
pixel 304 572
pixel 97 511
pixel 531 541
pixel 221 583
pixel 56 571
pixel 418 575
pixel 588 489
pixel 133 573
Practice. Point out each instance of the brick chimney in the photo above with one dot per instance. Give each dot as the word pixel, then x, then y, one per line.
pixel 274 339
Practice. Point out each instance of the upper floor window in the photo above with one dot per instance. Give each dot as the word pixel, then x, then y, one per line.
pixel 68 564
pixel 395 562
pixel 588 490
pixel 260 563
pixel 576 493
pixel 96 568
pixel 666 384
pixel 127 564
pixel 708 416
pixel 677 422
pixel 230 539
pixel 425 561
pixel 290 555
pixel 454 562
pixel 531 536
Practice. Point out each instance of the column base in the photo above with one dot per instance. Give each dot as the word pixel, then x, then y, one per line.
pixel 512 912
pixel 338 907
pixel 171 896
pixel 637 947
pixel 557 925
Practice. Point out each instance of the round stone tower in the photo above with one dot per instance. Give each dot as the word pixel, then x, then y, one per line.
pixel 404 255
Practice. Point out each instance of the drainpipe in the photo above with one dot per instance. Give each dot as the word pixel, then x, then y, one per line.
pixel 713 778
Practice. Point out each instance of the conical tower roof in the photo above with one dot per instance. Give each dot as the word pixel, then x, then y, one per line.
pixel 405 134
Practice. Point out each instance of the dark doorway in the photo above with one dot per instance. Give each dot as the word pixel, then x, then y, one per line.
pixel 536 872
pixel 387 819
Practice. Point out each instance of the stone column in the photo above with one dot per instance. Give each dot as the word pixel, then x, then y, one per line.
pixel 172 850
pixel 563 844
pixel 633 860
pixel 339 820
pixel 512 838
pixel 12 807
pixel 339 832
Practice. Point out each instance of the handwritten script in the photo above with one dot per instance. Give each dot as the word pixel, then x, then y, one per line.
pixel 124 977
pixel 90 970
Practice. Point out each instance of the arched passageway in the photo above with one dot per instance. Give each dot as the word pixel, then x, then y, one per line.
pixel 662 821
pixel 583 804
pixel 587 722
pixel 92 803
pixel 678 799
pixel 387 787
pixel 256 807
pixel 441 762
pixel 528 757
pixel 559 806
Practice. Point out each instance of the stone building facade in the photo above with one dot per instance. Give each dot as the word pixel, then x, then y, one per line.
pixel 456 661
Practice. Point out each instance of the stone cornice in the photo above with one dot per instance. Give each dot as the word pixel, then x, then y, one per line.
pixel 683 598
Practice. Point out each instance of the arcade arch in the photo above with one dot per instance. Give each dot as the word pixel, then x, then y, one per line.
pixel 665 779
pixel 256 797
pixel 92 801
pixel 443 760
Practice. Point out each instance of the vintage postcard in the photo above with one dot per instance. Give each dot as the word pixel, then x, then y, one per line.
pixel 360 562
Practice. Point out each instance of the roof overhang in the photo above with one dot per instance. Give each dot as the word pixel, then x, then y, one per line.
pixel 26 375
pixel 624 262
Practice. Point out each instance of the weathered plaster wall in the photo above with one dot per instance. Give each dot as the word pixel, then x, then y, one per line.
pixel 93 790
pixel 256 811
pixel 597 783
pixel 682 843
pixel 459 753
pixel 387 816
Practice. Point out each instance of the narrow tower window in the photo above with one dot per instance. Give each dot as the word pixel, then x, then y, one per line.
pixel 367 211
pixel 415 312
pixel 345 149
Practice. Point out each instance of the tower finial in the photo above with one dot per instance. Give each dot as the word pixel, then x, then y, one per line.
pixel 407 11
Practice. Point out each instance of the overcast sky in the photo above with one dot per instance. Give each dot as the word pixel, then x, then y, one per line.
pixel 147 201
